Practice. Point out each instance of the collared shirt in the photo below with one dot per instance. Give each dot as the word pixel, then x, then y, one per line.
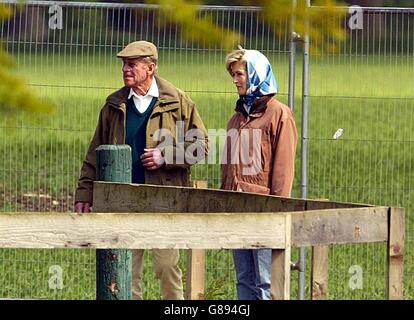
pixel 143 102
pixel 247 108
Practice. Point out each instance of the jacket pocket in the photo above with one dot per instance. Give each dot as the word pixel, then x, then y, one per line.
pixel 250 187
pixel 266 153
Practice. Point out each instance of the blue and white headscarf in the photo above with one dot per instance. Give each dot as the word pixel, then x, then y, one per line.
pixel 261 80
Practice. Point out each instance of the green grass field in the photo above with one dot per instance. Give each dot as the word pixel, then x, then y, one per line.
pixel 370 97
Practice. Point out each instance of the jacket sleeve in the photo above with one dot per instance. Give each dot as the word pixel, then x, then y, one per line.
pixel 195 145
pixel 84 191
pixel 284 148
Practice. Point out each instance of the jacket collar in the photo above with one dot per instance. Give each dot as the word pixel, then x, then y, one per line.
pixel 167 94
pixel 258 107
pixel 152 92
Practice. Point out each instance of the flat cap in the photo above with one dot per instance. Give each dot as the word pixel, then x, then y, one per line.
pixel 139 49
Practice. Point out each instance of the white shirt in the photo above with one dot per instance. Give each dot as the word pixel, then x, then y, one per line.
pixel 142 102
pixel 247 108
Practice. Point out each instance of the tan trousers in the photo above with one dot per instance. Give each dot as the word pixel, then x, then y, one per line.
pixel 166 270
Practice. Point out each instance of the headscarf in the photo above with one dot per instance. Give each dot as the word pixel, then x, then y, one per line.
pixel 260 81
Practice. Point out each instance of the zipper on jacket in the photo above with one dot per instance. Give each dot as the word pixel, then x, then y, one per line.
pixel 147 133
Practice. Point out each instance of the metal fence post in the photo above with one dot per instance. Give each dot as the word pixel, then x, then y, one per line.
pixel 294 37
pixel 304 151
pixel 113 266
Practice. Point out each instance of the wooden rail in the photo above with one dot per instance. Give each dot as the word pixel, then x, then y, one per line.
pixel 143 216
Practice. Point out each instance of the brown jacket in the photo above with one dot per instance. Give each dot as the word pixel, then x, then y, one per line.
pixel 172 105
pixel 268 167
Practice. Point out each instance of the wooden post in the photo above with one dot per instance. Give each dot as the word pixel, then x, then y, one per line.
pixel 319 273
pixel 395 254
pixel 195 274
pixel 196 260
pixel 280 286
pixel 113 266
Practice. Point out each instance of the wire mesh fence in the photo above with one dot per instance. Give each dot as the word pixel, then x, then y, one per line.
pixel 360 140
pixel 365 89
pixel 73 64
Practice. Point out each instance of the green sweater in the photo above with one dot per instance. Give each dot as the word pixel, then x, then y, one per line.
pixel 136 124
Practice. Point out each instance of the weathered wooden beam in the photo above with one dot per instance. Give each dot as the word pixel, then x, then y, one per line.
pixel 326 204
pixel 196 262
pixel 146 198
pixel 143 231
pixel 340 226
pixel 322 227
pixel 121 197
pixel 395 274
pixel 319 273
pixel 280 284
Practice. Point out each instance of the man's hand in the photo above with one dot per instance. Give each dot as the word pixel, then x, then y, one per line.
pixel 83 207
pixel 152 159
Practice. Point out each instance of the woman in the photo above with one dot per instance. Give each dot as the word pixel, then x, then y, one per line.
pixel 259 155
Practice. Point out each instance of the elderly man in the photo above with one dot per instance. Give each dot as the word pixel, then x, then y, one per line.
pixel 153 117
